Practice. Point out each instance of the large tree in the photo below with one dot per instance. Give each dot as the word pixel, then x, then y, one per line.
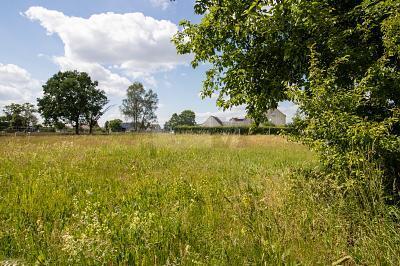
pixel 72 97
pixel 338 60
pixel 20 116
pixel 140 106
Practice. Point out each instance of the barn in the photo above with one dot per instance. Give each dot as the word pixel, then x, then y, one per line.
pixel 213 121
pixel 276 117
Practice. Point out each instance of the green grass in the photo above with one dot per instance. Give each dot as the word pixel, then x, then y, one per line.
pixel 166 199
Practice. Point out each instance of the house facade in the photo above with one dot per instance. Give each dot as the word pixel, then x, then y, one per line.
pixel 276 117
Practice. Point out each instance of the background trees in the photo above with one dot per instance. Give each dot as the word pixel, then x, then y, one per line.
pixel 140 106
pixel 72 97
pixel 338 60
pixel 19 116
pixel 186 118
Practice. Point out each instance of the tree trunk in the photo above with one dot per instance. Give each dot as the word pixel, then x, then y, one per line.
pixel 136 122
pixel 91 126
pixel 77 127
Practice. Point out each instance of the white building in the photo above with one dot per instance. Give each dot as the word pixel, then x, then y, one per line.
pixel 239 122
pixel 276 117
pixel 213 121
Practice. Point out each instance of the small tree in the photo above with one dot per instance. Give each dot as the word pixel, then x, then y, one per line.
pixel 72 97
pixel 94 114
pixel 114 125
pixel 150 105
pixel 140 106
pixel 172 123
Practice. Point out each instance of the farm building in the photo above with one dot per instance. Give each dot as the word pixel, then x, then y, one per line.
pixel 239 122
pixel 274 116
pixel 213 121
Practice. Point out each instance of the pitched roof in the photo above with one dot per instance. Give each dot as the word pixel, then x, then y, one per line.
pixel 218 120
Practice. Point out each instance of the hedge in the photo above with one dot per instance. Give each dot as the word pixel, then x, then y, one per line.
pixel 231 130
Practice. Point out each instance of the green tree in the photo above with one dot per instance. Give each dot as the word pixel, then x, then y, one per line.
pixel 338 60
pixel 114 125
pixel 96 111
pixel 3 123
pixel 20 116
pixel 186 118
pixel 172 123
pixel 140 106
pixel 71 97
pixel 150 105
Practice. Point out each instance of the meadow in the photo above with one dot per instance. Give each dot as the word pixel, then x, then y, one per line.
pixel 180 200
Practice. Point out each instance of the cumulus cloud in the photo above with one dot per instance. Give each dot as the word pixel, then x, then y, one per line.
pixel 112 47
pixel 17 85
pixel 163 4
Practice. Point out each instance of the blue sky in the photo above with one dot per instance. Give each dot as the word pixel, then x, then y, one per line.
pixel 116 41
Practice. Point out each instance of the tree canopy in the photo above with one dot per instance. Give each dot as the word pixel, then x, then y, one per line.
pixel 19 116
pixel 338 60
pixel 140 106
pixel 114 125
pixel 72 97
pixel 186 118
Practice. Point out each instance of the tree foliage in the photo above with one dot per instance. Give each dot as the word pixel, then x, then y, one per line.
pixel 338 60
pixel 140 106
pixel 114 125
pixel 186 118
pixel 19 116
pixel 72 97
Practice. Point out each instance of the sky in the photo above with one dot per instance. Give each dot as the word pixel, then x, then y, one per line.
pixel 117 42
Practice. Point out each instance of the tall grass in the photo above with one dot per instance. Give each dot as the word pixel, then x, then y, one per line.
pixel 165 199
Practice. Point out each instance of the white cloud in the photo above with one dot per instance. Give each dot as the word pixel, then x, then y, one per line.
pixel 17 85
pixel 132 45
pixel 163 4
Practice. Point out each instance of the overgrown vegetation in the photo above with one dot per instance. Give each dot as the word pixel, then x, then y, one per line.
pixel 181 199
pixel 338 60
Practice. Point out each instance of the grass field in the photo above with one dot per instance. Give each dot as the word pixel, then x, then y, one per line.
pixel 167 200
